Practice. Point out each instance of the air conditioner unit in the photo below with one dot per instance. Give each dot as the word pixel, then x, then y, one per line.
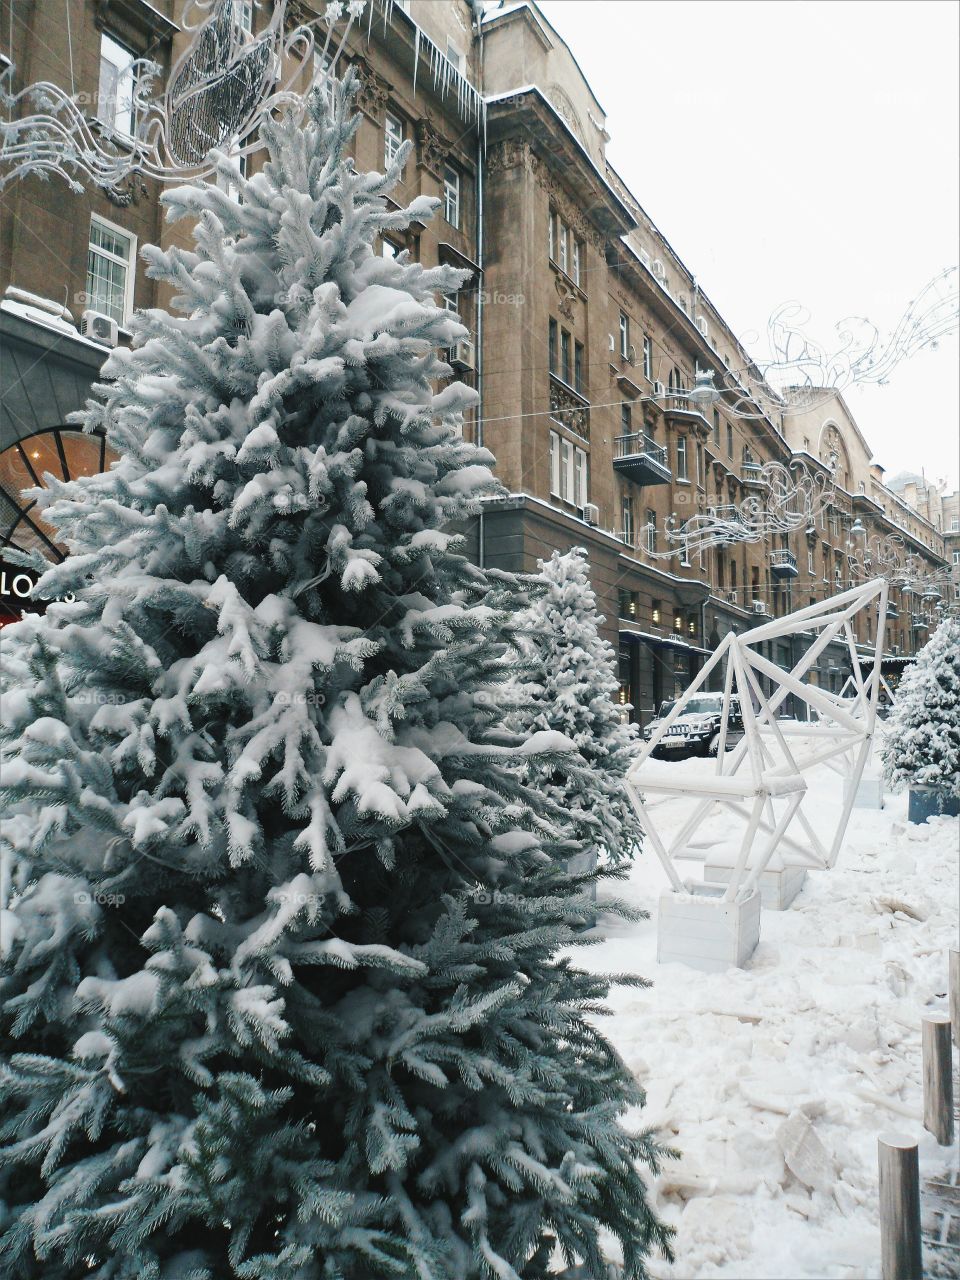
pixel 591 513
pixel 658 269
pixel 101 328
pixel 463 354
pixel 732 597
pixel 759 607
pixel 659 390
pixel 702 325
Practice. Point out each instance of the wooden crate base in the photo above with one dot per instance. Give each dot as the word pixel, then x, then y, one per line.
pixel 700 930
pixel 869 793
pixel 779 885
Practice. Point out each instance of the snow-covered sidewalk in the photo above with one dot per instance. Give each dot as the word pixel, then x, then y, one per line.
pixel 822 1028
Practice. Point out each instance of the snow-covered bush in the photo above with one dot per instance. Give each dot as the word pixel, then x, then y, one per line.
pixel 285 986
pixel 921 745
pixel 576 691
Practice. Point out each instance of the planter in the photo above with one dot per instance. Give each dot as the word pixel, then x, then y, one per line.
pixel 699 929
pixel 778 884
pixel 928 802
pixel 869 792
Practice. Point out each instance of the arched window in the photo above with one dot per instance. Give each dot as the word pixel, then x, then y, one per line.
pixel 62 452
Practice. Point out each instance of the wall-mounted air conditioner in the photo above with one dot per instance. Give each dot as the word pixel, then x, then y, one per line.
pixel 702 325
pixel 99 327
pixel 659 390
pixel 591 513
pixel 759 607
pixel 658 269
pixel 464 354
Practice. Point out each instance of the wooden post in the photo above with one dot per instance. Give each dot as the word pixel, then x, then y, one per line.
pixel 937 1077
pixel 901 1255
pixel 955 995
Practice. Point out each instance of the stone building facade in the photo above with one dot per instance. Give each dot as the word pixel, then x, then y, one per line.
pixel 587 330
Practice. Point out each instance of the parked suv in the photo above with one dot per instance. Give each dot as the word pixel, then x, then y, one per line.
pixel 697 731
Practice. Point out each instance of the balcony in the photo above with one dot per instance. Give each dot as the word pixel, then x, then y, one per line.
pixel 919 622
pixel 783 563
pixel 640 459
pixel 751 474
pixel 892 610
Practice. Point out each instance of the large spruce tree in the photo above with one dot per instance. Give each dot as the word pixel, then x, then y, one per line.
pixel 283 988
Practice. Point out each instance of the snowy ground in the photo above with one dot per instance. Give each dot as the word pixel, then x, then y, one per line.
pixel 824 1021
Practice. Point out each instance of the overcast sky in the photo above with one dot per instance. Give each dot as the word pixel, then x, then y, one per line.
pixel 797 150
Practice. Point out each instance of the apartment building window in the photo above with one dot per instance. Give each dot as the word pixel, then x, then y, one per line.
pixel 559 240
pixel 810 565
pixel 568 471
pixel 576 249
pixel 626 519
pixel 656 612
pixel 699 464
pixel 626 419
pixel 716 427
pixel 553 346
pixel 454 56
pixel 324 77
pixel 733 575
pixel 565 356
pixel 111 254
pixel 451 195
pixel 647 357
pixel 580 494
pixel 115 96
pixel 578 366
pixel 392 138
pixel 682 458
pixel 956 557
pixel 624 336
pixel 651 530
pixel 956 591
pixel 243 15
pixel 955 526
pixel 729 441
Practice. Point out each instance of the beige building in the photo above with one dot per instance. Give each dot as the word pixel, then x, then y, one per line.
pixel 588 331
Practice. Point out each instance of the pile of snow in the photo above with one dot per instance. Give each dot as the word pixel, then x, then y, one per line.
pixel 775 1081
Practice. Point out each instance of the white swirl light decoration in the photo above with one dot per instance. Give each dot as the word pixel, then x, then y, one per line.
pixel 861 358
pixel 793 499
pixel 218 93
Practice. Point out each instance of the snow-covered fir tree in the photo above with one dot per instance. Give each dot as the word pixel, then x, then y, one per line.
pixel 576 691
pixel 921 742
pixel 283 988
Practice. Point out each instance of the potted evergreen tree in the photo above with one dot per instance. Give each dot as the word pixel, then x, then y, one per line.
pixel 922 738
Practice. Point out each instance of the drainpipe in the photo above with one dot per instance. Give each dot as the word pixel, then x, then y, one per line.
pixel 481 161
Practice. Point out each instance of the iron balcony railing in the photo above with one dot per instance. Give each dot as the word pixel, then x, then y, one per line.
pixel 781 558
pixel 636 445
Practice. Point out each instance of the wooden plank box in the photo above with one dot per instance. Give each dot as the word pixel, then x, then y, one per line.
pixel 698 929
pixel 779 884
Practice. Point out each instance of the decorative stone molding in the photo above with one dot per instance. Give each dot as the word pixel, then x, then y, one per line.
pixel 570 409
pixel 432 148
pixel 127 193
pixel 567 297
pixel 512 154
pixel 373 91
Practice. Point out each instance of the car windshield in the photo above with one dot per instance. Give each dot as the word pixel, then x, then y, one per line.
pixel 708 706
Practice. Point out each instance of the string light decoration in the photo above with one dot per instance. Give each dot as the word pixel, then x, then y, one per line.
pixel 218 93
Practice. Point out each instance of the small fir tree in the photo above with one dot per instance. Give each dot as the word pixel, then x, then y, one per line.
pixel 921 745
pixel 284 990
pixel 576 691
